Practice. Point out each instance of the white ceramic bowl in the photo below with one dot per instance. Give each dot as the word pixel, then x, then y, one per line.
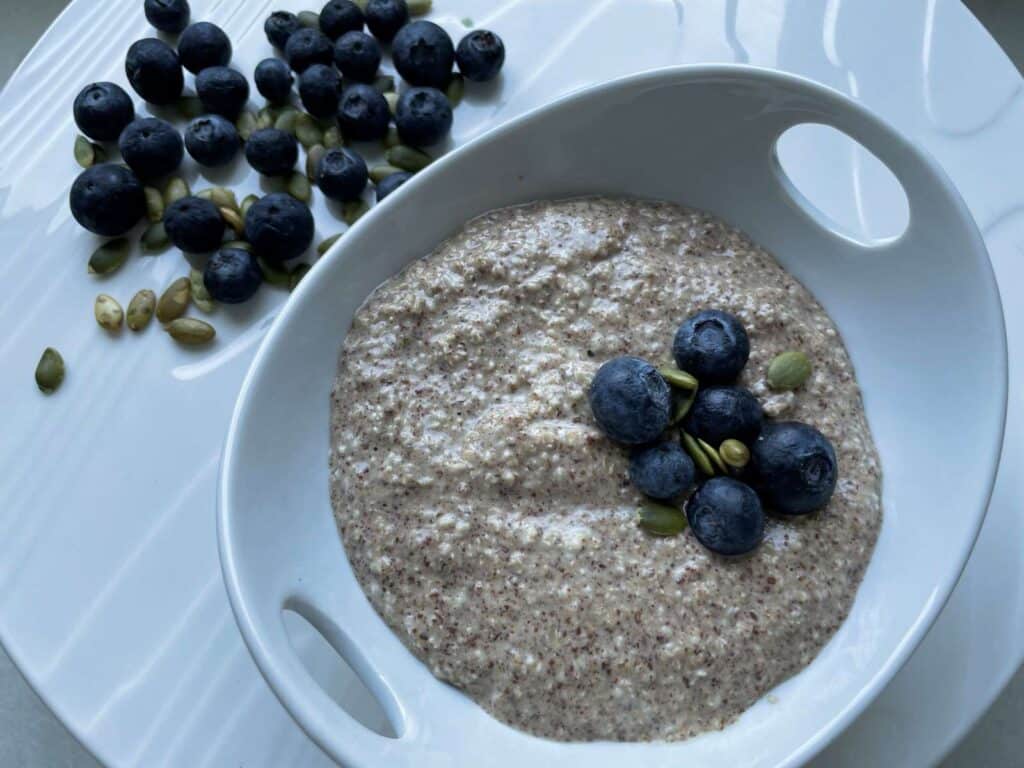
pixel 920 315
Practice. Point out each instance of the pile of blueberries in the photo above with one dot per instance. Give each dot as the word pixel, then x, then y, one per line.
pixel 336 65
pixel 791 469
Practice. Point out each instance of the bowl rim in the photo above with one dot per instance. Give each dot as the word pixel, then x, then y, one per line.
pixel 900 654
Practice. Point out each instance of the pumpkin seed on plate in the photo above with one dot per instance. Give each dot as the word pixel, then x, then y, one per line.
pixel 109 256
pixel 295 276
pixel 683 403
pixel 313 157
pixel 789 370
pixel 467 22
pixel 325 245
pixel 384 83
pixel 661 519
pixel 309 19
pixel 391 138
pixel 734 453
pixel 455 90
pixel 239 244
pixel 677 378
pixel 49 371
pixel 247 203
pixel 200 296
pixel 140 309
pixel 700 458
pixel 88 154
pixel 713 455
pixel 273 274
pixel 333 137
pixel 245 124
pixel 154 203
pixel 286 120
pixel 154 238
pixel 232 219
pixel 307 131
pixel 108 312
pixel 380 172
pixel 353 210
pixel 265 119
pixel 299 187
pixel 408 159
pixel 175 189
pixel 223 197
pixel 174 301
pixel 392 99
pixel 419 7
pixel 190 331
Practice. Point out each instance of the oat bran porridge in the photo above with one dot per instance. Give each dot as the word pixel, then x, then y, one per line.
pixel 493 526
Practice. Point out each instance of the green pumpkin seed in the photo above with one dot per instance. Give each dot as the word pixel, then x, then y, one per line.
pixel 455 90
pixel 789 370
pixel 325 245
pixel 175 189
pixel 154 203
pixel 361 4
pixel 238 244
pixel 273 274
pixel 245 124
pixel 380 172
pixel 384 83
pixel 200 296
pixel 392 99
pixel 307 131
pixel 313 157
pixel 108 312
pixel 683 403
pixel 109 257
pixel 140 309
pixel 661 519
pixel 265 118
pixel 88 154
pixel 190 107
pixel 391 138
pixel 222 197
pixel 713 455
pixel 419 7
pixel 734 453
pixel 49 371
pixel 467 22
pixel 295 276
pixel 154 238
pixel 333 137
pixel 353 210
pixel 407 158
pixel 232 219
pixel 300 188
pixel 190 331
pixel 174 301
pixel 247 203
pixel 697 454
pixel 286 120
pixel 677 378
pixel 309 19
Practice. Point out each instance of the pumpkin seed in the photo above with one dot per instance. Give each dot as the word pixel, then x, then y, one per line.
pixel 175 189
pixel 295 276
pixel 265 118
pixel 380 172
pixel 108 312
pixel 232 219
pixel 407 158
pixel 384 83
pixel 140 309
pixel 325 245
pixel 300 188
pixel 418 7
pixel 239 244
pixel 313 160
pixel 109 257
pixel 307 131
pixel 467 22
pixel 273 274
pixel 174 301
pixel 333 137
pixel 361 4
pixel 190 107
pixel 392 99
pixel 682 406
pixel 455 90
pixel 245 124
pixel 49 371
pixel 661 519
pixel 154 203
pixel 200 296
pixel 154 238
pixel 391 138
pixel 789 370
pixel 697 454
pixel 713 455
pixel 223 197
pixel 190 331
pixel 247 203
pixel 286 120
pixel 309 19
pixel 353 210
pixel 677 378
pixel 734 453
pixel 88 154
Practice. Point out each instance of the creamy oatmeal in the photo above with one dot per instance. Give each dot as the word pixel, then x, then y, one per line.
pixel 493 526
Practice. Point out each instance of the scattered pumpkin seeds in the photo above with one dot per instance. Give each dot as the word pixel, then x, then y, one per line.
pixel 353 210
pixel 419 7
pixel 683 405
pixel 380 172
pixel 313 157
pixel 734 453
pixel 88 154
pixel 299 187
pixel 232 219
pixel 175 189
pixel 309 19
pixel 154 203
pixel 697 454
pixel 108 312
pixel 286 120
pixel 109 256
pixel 661 519
pixel 49 371
pixel 247 203
pixel 789 370
pixel 245 124
pixel 456 89
pixel 239 244
pixel 392 99
pixel 273 274
pixel 391 138
pixel 200 296
pixel 190 107
pixel 190 331
pixel 295 276
pixel 325 245
pixel 307 130
pixel 333 137
pixel 407 158
pixel 140 309
pixel 264 119
pixel 677 378
pixel 713 455
pixel 174 301
pixel 384 83
pixel 154 238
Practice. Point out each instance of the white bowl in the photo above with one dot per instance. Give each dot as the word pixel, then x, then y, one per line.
pixel 920 315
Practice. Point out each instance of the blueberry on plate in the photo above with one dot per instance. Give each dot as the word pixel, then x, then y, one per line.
pixel 389 184
pixel 794 467
pixel 713 346
pixel 307 47
pixel 320 90
pixel 386 17
pixel 720 413
pixel 339 17
pixel 274 81
pixel 272 152
pixel 423 54
pixel 357 56
pixel 662 471
pixel 194 225
pixel 232 276
pixel 278 227
pixel 480 55
pixel 341 174
pixel 726 516
pixel 170 16
pixel 222 90
pixel 203 45
pixel 279 26
pixel 423 116
pixel 151 147
pixel 154 71
pixel 630 400
pixel 102 110
pixel 363 113
pixel 107 199
pixel 212 140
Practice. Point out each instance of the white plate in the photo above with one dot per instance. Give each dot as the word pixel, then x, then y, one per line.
pixel 111 600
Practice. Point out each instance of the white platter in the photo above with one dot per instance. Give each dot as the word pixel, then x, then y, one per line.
pixel 111 599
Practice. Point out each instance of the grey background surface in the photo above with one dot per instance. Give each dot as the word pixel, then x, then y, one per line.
pixel 30 737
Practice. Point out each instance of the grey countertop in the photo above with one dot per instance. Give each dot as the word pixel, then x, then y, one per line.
pixel 30 737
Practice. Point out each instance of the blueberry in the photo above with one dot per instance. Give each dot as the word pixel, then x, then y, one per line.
pixel 170 16
pixel 794 467
pixel 662 471
pixel 713 346
pixel 154 71
pixel 339 17
pixel 194 225
pixel 320 90
pixel 423 116
pixel 212 140
pixel 363 113
pixel 203 45
pixel 279 227
pixel 107 199
pixel 272 152
pixel 630 400
pixel 386 17
pixel 102 110
pixel 480 55
pixel 341 174
pixel 232 276
pixel 279 26
pixel 307 47
pixel 726 516
pixel 357 56
pixel 390 183
pixel 719 413
pixel 423 54
pixel 222 90
pixel 151 147
pixel 274 81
